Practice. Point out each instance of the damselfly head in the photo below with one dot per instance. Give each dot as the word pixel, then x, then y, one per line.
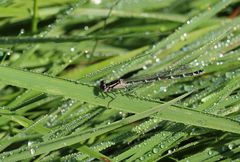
pixel 102 85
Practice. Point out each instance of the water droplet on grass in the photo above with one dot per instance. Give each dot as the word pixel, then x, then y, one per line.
pixel 169 151
pixel 141 158
pixel 32 151
pixel 86 27
pixel 163 89
pixel 210 152
pixel 183 37
pixel 155 150
pixel 29 143
pixel 157 60
pixel 144 67
pixel 162 146
pixel 96 2
pixel 231 146
pixel 72 49
pixel 22 31
pixel 8 53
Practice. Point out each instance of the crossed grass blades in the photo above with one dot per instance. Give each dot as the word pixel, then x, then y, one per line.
pixel 54 54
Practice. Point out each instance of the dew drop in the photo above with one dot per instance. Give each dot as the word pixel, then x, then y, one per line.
pixel 210 152
pixel 235 28
pixel 141 158
pixel 88 56
pixel 163 89
pixel 8 53
pixel 183 37
pixel 147 33
pixel 230 146
pixel 32 151
pixel 162 146
pixel 169 151
pixel 155 150
pixel 72 49
pixel 22 31
pixel 188 87
pixel 29 143
pixel 157 60
pixel 86 27
pixel 144 67
pixel 96 2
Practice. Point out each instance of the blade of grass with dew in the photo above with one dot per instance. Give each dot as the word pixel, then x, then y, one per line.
pixel 71 139
pixel 65 111
pixel 185 57
pixel 33 127
pixel 21 120
pixel 216 153
pixel 70 89
pixel 103 67
pixel 212 103
pixel 76 137
pixel 125 14
pixel 54 70
pixel 193 23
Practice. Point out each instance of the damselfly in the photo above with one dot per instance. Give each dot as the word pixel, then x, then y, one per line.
pixel 124 83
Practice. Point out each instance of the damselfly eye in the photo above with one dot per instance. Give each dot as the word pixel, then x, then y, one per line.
pixel 102 85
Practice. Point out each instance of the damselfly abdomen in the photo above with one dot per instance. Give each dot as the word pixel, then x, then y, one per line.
pixel 124 83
